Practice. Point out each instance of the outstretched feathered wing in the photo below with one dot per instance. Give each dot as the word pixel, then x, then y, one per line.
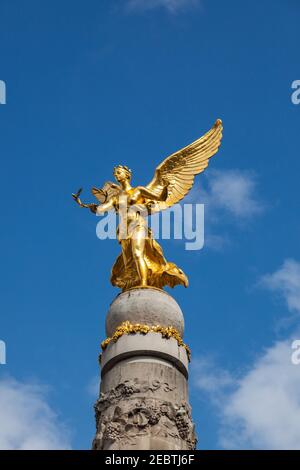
pixel 108 191
pixel 177 172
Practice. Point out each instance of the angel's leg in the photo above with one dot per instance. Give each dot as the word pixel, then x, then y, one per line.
pixel 138 246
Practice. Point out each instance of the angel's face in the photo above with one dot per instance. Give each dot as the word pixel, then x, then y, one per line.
pixel 120 174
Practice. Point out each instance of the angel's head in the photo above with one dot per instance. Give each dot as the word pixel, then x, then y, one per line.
pixel 122 173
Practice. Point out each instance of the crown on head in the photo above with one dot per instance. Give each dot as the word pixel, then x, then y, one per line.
pixel 123 167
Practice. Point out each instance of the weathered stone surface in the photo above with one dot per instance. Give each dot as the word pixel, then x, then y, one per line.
pixel 143 402
pixel 149 411
pixel 147 306
pixel 153 375
pixel 151 344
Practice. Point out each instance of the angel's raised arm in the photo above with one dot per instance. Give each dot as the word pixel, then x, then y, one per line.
pixel 106 196
pixel 107 206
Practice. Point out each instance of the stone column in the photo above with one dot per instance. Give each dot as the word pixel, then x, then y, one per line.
pixel 143 402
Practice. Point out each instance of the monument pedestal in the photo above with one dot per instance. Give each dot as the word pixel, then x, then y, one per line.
pixel 143 402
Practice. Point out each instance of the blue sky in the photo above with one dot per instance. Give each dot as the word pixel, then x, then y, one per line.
pixel 93 84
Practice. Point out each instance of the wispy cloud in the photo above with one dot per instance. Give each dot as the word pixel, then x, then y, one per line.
pixel 172 6
pixel 27 420
pixel 210 379
pixel 259 409
pixel 233 192
pixel 231 198
pixel 286 282
pixel 264 411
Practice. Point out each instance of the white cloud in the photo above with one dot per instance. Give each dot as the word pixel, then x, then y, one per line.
pixel 261 408
pixel 208 378
pixel 27 422
pixel 214 241
pixel 234 192
pixel 286 282
pixel 230 197
pixel 264 411
pixel 172 6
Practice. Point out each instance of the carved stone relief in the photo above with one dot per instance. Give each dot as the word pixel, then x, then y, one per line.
pixel 122 418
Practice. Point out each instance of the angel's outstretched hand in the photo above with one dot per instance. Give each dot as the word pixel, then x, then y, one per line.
pixel 77 199
pixel 92 207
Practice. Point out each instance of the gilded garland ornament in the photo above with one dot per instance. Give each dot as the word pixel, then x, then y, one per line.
pixel 127 328
pixel 141 262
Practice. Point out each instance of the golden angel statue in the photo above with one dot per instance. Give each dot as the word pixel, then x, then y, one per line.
pixel 141 262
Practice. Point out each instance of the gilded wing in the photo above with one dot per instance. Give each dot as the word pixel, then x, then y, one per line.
pixel 107 192
pixel 177 172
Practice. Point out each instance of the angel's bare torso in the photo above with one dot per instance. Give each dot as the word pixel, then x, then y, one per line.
pixel 132 205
